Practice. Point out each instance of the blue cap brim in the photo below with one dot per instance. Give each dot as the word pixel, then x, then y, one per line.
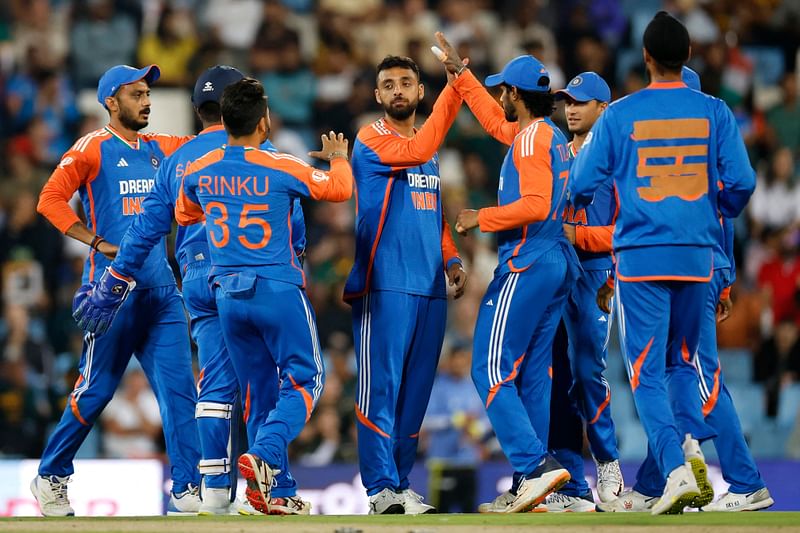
pixel 574 94
pixel 494 80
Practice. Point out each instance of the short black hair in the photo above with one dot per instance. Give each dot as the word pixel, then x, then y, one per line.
pixel 397 61
pixel 243 105
pixel 538 103
pixel 209 112
pixel 667 41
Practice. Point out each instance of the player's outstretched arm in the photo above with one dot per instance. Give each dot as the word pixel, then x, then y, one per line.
pixel 147 229
pixel 401 152
pixel 592 166
pixel 485 108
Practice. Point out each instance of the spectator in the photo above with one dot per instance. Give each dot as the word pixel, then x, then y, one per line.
pixel 779 276
pixel 777 363
pixel 172 46
pixel 785 117
pixel 456 429
pixel 100 39
pixel 776 200
pixel 131 421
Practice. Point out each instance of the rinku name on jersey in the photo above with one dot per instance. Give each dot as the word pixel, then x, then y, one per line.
pixel 233 185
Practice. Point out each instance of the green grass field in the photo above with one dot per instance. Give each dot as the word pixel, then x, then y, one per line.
pixel 688 523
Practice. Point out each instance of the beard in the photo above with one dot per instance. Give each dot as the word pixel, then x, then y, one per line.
pixel 401 113
pixel 510 112
pixel 131 121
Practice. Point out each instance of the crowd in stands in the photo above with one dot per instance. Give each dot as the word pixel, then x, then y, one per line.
pixel 316 60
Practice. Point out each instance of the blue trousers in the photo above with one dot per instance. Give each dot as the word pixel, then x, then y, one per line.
pixel 659 325
pixel 151 325
pixel 270 324
pixel 588 330
pixel 398 340
pixel 220 384
pixel 512 355
pixel 737 464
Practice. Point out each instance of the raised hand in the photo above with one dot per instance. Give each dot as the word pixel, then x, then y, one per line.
pixel 333 145
pixel 96 310
pixel 451 60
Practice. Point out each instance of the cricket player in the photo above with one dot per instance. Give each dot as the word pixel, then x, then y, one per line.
pixel 397 286
pixel 747 491
pixel 217 411
pixel 113 170
pixel 519 314
pixel 246 196
pixel 666 147
pixel 584 357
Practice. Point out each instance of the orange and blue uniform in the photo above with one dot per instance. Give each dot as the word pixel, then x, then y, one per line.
pixel 519 314
pixel 246 197
pixel 580 353
pixel 113 177
pixel 220 383
pixel 666 148
pixel 397 289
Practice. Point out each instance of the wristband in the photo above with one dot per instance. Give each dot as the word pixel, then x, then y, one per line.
pixel 96 242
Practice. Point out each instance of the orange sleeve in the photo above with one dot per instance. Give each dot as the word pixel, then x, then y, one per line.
pixel 532 159
pixel 725 294
pixel 485 108
pixel 401 152
pixel 449 250
pixel 168 143
pixel 335 185
pixel 187 211
pixel 77 167
pixel 594 238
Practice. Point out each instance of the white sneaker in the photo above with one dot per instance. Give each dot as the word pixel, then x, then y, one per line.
pixel 259 476
pixel 548 477
pixel 679 492
pixel 387 501
pixel 215 501
pixel 187 503
pixel 51 494
pixel 629 502
pixel 243 507
pixel 289 505
pixel 498 505
pixel 694 456
pixel 413 503
pixel 557 502
pixel 730 502
pixel 609 481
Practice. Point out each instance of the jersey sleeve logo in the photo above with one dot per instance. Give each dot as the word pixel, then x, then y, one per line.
pixel 66 162
pixel 319 176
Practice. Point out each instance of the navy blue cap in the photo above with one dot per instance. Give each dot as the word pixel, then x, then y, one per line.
pixel 120 75
pixel 690 78
pixel 523 72
pixel 584 87
pixel 212 82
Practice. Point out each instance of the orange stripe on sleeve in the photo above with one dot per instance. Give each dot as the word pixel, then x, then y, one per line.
pixel 187 212
pixel 485 108
pixel 594 238
pixel 533 161
pixel 403 152
pixel 79 166
pixel 725 294
pixel 449 249
pixel 336 185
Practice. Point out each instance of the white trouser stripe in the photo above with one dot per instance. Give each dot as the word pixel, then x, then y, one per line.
pixel 213 410
pixel 312 328
pixel 87 371
pixel 368 356
pixel 498 329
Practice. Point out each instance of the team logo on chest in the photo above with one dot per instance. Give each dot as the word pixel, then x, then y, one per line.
pixel 154 161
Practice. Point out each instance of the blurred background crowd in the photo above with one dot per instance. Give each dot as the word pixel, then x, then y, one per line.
pixel 316 60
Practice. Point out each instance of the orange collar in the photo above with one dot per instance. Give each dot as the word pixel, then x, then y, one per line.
pixel 667 85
